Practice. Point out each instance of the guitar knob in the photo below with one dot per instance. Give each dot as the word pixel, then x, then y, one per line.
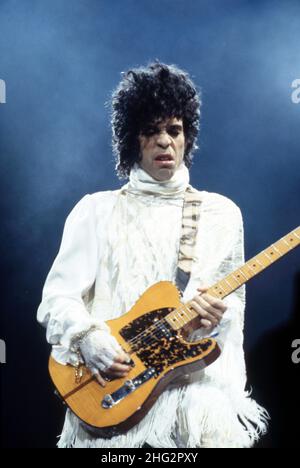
pixel 129 384
pixel 108 399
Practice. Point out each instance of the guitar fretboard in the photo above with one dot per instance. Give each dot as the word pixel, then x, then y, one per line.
pixel 182 316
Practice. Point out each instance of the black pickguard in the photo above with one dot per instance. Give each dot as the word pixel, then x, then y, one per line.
pixel 156 344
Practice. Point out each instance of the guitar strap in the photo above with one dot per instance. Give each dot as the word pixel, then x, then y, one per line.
pixel 189 228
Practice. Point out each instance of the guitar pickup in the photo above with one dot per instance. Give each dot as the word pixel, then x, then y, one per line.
pixel 129 387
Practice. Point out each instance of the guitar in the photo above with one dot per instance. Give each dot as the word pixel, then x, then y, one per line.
pixel 152 333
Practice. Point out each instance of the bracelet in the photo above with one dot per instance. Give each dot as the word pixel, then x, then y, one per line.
pixel 76 341
pixel 79 338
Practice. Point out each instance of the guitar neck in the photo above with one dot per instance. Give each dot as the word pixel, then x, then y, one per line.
pixel 180 317
pixel 256 265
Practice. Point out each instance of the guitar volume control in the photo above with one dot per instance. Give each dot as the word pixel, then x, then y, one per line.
pixel 130 385
pixel 108 401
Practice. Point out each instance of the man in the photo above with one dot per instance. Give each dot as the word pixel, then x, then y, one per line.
pixel 118 243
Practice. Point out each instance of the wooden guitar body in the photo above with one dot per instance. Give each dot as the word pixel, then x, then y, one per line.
pixel 153 334
pixel 160 354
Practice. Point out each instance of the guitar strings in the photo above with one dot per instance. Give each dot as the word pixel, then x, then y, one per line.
pixel 150 332
pixel 159 322
pixel 147 332
pixel 148 338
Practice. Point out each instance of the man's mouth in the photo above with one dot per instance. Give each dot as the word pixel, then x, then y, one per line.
pixel 164 157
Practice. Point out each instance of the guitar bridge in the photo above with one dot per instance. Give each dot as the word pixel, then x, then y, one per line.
pixel 130 386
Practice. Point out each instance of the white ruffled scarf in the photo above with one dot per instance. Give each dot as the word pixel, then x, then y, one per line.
pixel 142 183
pixel 201 414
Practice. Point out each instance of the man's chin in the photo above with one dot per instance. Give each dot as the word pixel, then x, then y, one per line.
pixel 163 174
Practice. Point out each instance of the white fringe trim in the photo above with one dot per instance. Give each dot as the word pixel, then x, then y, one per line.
pixel 210 419
pixel 153 427
pixel 200 415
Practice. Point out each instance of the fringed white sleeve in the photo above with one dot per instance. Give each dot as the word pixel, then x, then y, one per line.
pixel 63 310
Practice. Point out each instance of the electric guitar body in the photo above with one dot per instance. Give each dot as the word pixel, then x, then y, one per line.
pixel 151 334
pixel 154 334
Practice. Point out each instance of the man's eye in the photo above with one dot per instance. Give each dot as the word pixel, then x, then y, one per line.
pixel 174 132
pixel 149 131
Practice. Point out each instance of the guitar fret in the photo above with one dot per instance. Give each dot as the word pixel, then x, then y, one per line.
pixel 227 282
pixel 291 240
pixel 221 283
pixel 263 260
pixel 237 281
pixel 192 312
pixel 276 249
pixel 184 315
pixel 255 262
pixel 219 286
pixel 286 242
pixel 243 274
pixel 218 289
pixel 174 321
pixel 178 317
pixel 269 258
pixel 261 264
pixel 249 271
pixel 266 261
pixel 252 269
pixel 189 313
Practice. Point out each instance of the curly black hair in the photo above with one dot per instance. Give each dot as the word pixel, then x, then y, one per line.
pixel 145 94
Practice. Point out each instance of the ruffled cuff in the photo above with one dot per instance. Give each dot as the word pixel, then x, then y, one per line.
pixel 63 352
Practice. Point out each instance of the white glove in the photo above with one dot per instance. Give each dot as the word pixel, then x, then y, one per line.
pixel 99 350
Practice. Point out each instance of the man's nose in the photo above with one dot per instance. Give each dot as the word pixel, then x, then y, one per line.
pixel 163 139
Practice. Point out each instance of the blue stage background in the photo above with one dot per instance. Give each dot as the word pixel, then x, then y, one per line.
pixel 60 60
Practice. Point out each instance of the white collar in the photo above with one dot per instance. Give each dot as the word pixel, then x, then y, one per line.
pixel 140 182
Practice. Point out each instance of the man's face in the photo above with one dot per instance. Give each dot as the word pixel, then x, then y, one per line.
pixel 162 145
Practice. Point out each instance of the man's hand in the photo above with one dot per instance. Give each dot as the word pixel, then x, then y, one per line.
pixel 104 356
pixel 209 308
pixel 118 369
